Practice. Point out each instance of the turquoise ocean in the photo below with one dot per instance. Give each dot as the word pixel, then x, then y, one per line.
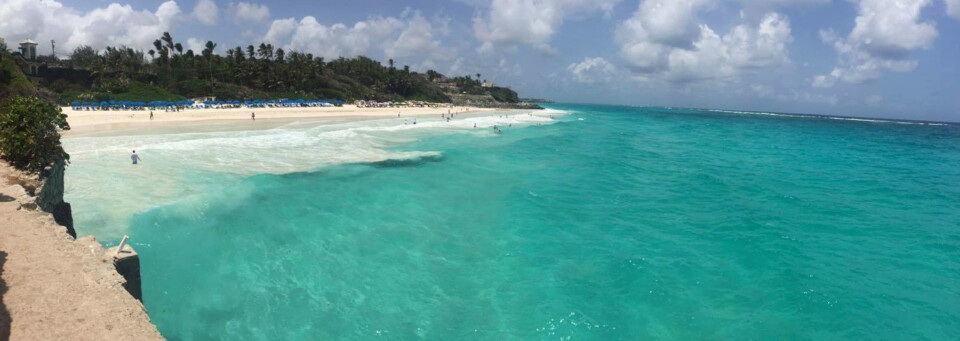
pixel 582 222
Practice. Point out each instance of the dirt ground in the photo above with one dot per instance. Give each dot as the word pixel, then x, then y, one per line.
pixel 54 288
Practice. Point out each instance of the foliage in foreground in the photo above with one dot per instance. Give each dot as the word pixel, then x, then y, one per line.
pixel 30 132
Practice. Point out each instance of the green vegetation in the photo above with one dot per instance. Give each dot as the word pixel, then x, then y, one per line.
pixel 30 132
pixel 133 91
pixel 472 86
pixel 253 72
pixel 12 80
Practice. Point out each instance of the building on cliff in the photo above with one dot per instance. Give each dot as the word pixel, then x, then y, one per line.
pixel 28 50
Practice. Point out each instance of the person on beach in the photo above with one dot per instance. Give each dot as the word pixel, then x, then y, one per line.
pixel 151 115
pixel 253 116
pixel 134 157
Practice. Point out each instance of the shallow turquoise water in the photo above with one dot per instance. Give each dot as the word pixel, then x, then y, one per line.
pixel 610 223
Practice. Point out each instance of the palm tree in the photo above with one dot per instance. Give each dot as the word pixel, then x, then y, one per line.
pixel 208 49
pixel 168 39
pixel 97 70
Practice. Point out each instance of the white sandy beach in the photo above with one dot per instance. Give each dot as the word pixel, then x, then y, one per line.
pixel 82 121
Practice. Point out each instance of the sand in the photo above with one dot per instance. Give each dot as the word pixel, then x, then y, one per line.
pixel 55 288
pixel 83 122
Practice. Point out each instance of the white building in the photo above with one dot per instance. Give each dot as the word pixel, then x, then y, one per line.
pixel 28 48
pixel 487 84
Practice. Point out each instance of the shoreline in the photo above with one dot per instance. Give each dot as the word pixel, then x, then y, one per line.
pixel 84 122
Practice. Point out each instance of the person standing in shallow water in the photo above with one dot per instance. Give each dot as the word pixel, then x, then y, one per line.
pixel 134 157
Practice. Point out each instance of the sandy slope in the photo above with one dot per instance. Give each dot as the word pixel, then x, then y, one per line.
pixel 90 121
pixel 54 288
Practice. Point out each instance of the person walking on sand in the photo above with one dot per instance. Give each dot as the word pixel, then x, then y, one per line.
pixel 134 157
pixel 253 116
pixel 151 115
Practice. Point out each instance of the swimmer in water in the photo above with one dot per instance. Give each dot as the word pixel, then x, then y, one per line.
pixel 134 157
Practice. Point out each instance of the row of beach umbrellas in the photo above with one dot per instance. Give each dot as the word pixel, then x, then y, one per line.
pixel 189 103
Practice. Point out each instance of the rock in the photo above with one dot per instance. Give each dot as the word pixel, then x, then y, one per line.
pixel 50 196
pixel 127 263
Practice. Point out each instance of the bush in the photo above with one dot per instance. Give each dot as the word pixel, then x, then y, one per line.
pixel 30 133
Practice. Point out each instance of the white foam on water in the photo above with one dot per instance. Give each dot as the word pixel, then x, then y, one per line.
pixel 177 166
pixel 839 118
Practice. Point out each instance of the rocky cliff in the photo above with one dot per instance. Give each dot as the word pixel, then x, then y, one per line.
pixel 53 287
pixel 50 196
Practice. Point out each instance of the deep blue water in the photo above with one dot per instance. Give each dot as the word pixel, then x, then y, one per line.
pixel 610 223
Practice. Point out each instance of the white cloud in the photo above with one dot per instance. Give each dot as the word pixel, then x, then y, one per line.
pixel 416 37
pixel 761 90
pixel 530 22
pixel 781 3
pixel 196 44
pixel 591 70
pixel 822 81
pixel 245 11
pixel 109 26
pixel 953 8
pixel 665 40
pixel 409 37
pixel 280 29
pixel 884 35
pixel 206 12
pixel 793 96
pixel 873 100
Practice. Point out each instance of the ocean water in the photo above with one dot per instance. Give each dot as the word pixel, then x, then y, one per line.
pixel 577 223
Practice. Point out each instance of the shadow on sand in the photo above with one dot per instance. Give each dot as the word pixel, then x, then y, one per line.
pixel 4 314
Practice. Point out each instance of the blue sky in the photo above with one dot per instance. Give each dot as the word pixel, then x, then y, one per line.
pixel 878 58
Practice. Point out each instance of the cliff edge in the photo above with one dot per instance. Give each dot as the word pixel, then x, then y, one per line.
pixel 52 287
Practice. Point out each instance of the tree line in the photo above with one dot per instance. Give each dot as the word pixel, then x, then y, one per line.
pixel 246 73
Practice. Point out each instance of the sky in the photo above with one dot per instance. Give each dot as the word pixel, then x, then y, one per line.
pixel 873 58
